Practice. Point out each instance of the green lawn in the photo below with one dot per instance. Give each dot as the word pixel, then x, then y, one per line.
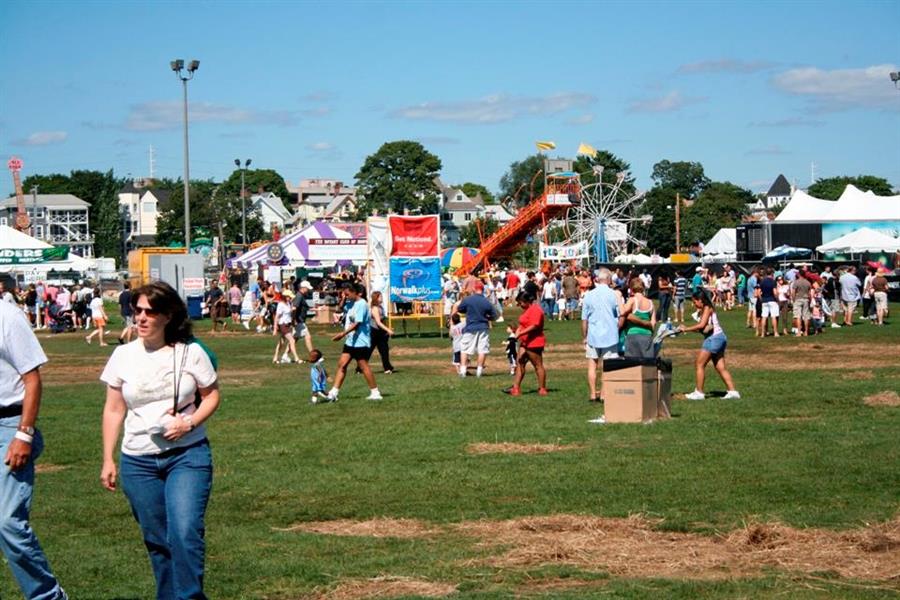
pixel 801 448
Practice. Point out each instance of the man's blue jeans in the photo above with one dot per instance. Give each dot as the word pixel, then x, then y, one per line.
pixel 17 539
pixel 168 494
pixel 547 305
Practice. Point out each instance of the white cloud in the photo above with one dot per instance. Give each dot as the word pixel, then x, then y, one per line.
pixel 789 122
pixel 724 65
pixel 318 111
pixel 156 116
pixel 320 146
pixel 842 89
pixel 670 102
pixel 773 150
pixel 42 138
pixel 497 108
pixel 583 119
pixel 317 96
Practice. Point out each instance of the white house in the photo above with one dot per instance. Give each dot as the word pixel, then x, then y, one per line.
pixel 323 199
pixel 58 219
pixel 140 209
pixel 271 211
pixel 458 210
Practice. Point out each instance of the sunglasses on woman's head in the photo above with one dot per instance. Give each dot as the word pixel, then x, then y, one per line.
pixel 150 312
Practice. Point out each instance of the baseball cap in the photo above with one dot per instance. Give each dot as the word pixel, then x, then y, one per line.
pixel 306 284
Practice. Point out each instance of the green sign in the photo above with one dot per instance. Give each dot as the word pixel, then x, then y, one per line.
pixel 31 256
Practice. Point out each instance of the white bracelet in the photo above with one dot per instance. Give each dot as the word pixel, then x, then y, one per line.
pixel 24 437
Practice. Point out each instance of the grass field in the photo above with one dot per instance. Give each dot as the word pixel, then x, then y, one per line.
pixel 791 492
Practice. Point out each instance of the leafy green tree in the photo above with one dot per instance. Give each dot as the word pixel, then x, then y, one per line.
pixel 106 220
pixel 721 204
pixel 254 179
pixel 659 233
pixel 55 183
pixel 523 180
pixel 612 166
pixel 400 175
pixel 831 188
pixel 686 178
pixel 473 189
pixel 469 235
pixel 209 208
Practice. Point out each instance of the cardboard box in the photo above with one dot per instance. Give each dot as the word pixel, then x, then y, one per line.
pixel 324 315
pixel 664 394
pixel 631 394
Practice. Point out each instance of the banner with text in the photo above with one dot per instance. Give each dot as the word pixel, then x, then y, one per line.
pixel 325 249
pixel 30 256
pixel 415 279
pixel 563 252
pixel 414 236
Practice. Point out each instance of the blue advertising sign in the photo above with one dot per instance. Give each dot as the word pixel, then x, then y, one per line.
pixel 415 279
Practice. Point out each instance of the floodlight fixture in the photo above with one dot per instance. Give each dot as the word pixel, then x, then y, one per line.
pixel 895 77
pixel 177 65
pixel 195 64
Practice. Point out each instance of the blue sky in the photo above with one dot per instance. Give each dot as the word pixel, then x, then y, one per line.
pixel 749 89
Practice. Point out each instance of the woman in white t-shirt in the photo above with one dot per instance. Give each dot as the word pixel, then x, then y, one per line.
pixel 98 318
pixel 284 329
pixel 165 461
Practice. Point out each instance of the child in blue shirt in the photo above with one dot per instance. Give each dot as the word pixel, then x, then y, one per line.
pixel 318 377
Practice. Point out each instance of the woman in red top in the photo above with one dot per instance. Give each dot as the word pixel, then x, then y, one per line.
pixel 531 344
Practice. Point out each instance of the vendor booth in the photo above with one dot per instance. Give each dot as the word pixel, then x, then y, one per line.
pixel 319 244
pixel 29 260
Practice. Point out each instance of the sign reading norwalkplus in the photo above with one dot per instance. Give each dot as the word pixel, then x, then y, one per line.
pixel 30 256
pixel 414 236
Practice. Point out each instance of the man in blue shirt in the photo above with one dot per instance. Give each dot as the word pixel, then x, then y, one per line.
pixel 752 283
pixel 357 336
pixel 599 328
pixel 476 334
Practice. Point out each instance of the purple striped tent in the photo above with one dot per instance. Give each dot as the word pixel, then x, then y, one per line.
pixel 296 247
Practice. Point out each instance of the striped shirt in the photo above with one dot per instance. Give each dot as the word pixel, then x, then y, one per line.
pixel 680 286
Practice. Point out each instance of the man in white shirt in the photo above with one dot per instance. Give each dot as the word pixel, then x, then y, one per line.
pixel 20 444
pixel 6 295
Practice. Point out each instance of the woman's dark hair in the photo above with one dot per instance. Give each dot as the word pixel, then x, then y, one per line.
pixel 166 300
pixel 526 296
pixel 703 297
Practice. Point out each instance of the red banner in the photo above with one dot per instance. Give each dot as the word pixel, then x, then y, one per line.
pixel 414 236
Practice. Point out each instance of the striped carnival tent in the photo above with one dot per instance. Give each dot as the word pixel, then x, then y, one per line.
pixel 319 244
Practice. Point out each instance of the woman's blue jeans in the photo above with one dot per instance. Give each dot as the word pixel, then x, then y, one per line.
pixel 168 493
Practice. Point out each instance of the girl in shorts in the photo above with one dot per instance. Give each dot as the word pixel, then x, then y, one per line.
pixel 98 317
pixel 713 348
pixel 531 344
pixel 284 329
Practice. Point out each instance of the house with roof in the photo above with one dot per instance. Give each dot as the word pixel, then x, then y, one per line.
pixel 458 210
pixel 778 195
pixel 140 207
pixel 323 200
pixel 58 219
pixel 271 211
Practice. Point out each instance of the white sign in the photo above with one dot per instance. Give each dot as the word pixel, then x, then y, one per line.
pixel 563 252
pixel 346 249
pixel 558 200
pixel 192 286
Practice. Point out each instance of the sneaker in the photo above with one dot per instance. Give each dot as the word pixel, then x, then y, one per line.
pixel 732 395
pixel 598 421
pixel 512 371
pixel 542 391
pixel 332 397
pixel 388 372
pixel 246 325
pixel 835 326
pixel 88 340
pixel 374 395
pixel 314 400
pixel 695 395
pixel 285 360
pixel 499 320
pixel 513 391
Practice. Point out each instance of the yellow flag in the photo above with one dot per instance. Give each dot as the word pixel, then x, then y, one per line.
pixel 545 145
pixel 586 149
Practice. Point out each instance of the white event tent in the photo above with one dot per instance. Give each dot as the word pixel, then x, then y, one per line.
pixel 722 246
pixel 12 239
pixel 853 205
pixel 862 240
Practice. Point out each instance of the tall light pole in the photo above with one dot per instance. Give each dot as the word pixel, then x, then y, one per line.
pixel 237 163
pixel 895 77
pixel 178 67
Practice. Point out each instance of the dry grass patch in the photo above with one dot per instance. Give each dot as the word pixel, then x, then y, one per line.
pixel 859 376
pixel 385 587
pixel 49 468
pixel 889 398
pixel 559 583
pixel 515 448
pixel 381 527
pixel 632 547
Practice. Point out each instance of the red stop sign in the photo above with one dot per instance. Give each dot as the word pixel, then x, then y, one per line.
pixel 15 164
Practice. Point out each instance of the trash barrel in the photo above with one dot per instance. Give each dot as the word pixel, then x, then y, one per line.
pixel 194 308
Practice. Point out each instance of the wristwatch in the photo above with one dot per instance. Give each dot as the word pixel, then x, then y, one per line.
pixel 189 420
pixel 27 429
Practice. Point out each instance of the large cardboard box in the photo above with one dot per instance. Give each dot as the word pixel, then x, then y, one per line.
pixel 324 315
pixel 664 394
pixel 631 393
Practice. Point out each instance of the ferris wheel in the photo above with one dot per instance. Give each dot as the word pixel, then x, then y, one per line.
pixel 605 217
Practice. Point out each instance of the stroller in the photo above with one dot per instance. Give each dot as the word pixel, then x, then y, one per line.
pixel 61 321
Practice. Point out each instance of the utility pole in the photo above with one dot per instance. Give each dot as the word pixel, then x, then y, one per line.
pixel 178 67
pixel 34 193
pixel 677 222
